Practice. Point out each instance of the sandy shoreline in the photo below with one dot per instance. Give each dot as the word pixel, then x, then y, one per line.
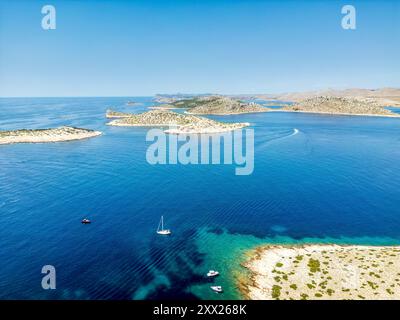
pixel 227 113
pixel 46 135
pixel 340 114
pixel 186 129
pixel 163 108
pixel 209 130
pixel 322 272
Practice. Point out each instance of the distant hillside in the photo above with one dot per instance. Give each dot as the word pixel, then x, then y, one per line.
pixel 339 105
pixel 383 96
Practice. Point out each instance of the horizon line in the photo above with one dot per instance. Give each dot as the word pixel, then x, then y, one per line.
pixel 204 93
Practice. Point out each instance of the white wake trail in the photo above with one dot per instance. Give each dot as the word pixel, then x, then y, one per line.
pixel 295 131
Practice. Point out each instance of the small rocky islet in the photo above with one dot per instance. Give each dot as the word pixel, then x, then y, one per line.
pixel 110 114
pixel 46 135
pixel 178 123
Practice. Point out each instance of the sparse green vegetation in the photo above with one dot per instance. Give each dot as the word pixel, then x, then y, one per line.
pixel 276 291
pixel 314 265
pixel 330 291
pixel 310 286
pixel 389 291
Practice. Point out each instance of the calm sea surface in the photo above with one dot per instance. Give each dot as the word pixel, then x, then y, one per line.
pixel 336 180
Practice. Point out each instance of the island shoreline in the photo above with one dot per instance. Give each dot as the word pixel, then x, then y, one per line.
pixel 339 114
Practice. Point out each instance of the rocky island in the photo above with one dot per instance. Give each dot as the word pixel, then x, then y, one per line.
pixel 340 105
pixel 218 105
pixel 46 135
pixel 180 123
pixel 133 103
pixel 323 272
pixel 116 114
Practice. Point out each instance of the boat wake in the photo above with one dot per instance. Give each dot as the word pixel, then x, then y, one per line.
pixel 280 137
pixel 295 131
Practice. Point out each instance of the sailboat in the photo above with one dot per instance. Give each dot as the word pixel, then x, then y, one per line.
pixel 161 230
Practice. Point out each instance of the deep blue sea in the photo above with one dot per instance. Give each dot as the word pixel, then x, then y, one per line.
pixel 336 181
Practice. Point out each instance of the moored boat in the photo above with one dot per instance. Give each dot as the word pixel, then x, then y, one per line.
pixel 217 289
pixel 212 273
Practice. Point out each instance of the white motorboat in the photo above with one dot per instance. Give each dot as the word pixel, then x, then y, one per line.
pixel 212 273
pixel 217 289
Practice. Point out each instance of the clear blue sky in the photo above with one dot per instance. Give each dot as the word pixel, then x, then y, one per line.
pixel 128 48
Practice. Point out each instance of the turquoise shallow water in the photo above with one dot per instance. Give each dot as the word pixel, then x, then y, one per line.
pixel 337 180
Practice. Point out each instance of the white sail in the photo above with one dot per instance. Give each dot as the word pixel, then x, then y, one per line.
pixel 162 230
